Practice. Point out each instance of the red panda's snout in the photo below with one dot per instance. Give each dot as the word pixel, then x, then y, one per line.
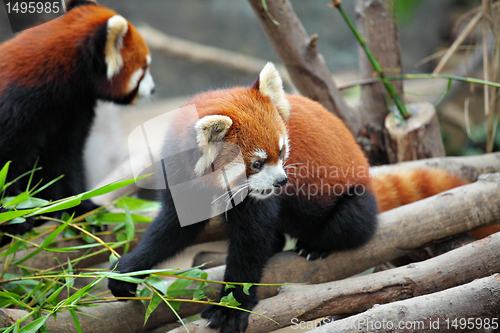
pixel 268 173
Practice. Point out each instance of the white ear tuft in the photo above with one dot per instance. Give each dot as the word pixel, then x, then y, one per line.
pixel 117 28
pixel 270 84
pixel 210 129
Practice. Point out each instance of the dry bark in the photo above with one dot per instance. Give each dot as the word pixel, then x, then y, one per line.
pixel 436 312
pixel 354 295
pixel 418 138
pixel 298 52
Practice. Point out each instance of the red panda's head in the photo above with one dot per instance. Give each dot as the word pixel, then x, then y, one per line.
pixel 127 60
pixel 252 119
pixel 90 49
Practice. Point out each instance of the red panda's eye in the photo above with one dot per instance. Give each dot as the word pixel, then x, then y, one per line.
pixel 257 165
pixel 282 152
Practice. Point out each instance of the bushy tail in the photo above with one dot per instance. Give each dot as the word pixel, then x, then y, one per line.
pixel 408 186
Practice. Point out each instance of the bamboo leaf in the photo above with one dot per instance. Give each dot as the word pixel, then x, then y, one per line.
pixel 3 175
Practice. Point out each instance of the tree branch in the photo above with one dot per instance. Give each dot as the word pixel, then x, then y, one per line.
pixel 357 294
pixel 478 299
pixel 298 52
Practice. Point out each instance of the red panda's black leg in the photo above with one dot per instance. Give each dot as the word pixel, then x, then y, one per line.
pixel 163 239
pixel 349 224
pixel 253 237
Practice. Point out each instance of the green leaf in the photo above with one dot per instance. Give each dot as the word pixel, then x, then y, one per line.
pixel 138 205
pixel 34 325
pixel 13 248
pixel 75 320
pixel 246 288
pixel 153 304
pixel 129 225
pixel 157 283
pixel 229 300
pixel 229 286
pixel 63 205
pixel 113 258
pixel 15 213
pixel 32 203
pixel 17 220
pixel 3 175
pixel 110 187
pixel 181 284
pixel 16 200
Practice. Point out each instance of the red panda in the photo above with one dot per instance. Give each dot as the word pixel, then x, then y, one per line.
pixel 50 79
pixel 305 177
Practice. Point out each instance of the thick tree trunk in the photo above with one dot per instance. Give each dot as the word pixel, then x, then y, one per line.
pixel 298 52
pixel 375 22
pixel 478 300
pixel 418 138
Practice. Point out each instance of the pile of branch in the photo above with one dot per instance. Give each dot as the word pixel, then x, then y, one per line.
pixel 400 231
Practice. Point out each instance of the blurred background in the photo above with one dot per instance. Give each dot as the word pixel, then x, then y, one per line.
pixel 427 27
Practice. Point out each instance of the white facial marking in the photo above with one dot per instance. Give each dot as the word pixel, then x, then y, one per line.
pixel 147 85
pixel 148 59
pixel 233 171
pixel 287 151
pixel 261 184
pixel 134 79
pixel 260 153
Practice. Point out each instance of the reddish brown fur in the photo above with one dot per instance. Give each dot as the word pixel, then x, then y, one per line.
pixel 412 185
pixel 321 139
pixel 53 61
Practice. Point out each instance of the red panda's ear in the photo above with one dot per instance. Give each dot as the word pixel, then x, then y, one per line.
pixel 117 28
pixel 270 84
pixel 210 129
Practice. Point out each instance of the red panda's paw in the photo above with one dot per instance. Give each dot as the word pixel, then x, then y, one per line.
pixel 225 319
pixel 309 253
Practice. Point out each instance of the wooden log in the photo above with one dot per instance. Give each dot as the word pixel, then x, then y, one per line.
pixel 212 259
pixel 436 312
pixel 400 230
pixel 418 138
pixel 301 303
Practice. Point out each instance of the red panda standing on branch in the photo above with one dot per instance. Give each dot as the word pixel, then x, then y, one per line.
pixel 50 79
pixel 305 176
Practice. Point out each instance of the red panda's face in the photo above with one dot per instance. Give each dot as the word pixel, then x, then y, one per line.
pixel 128 61
pixel 253 120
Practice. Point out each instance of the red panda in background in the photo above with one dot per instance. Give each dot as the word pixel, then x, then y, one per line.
pixel 50 79
pixel 305 175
